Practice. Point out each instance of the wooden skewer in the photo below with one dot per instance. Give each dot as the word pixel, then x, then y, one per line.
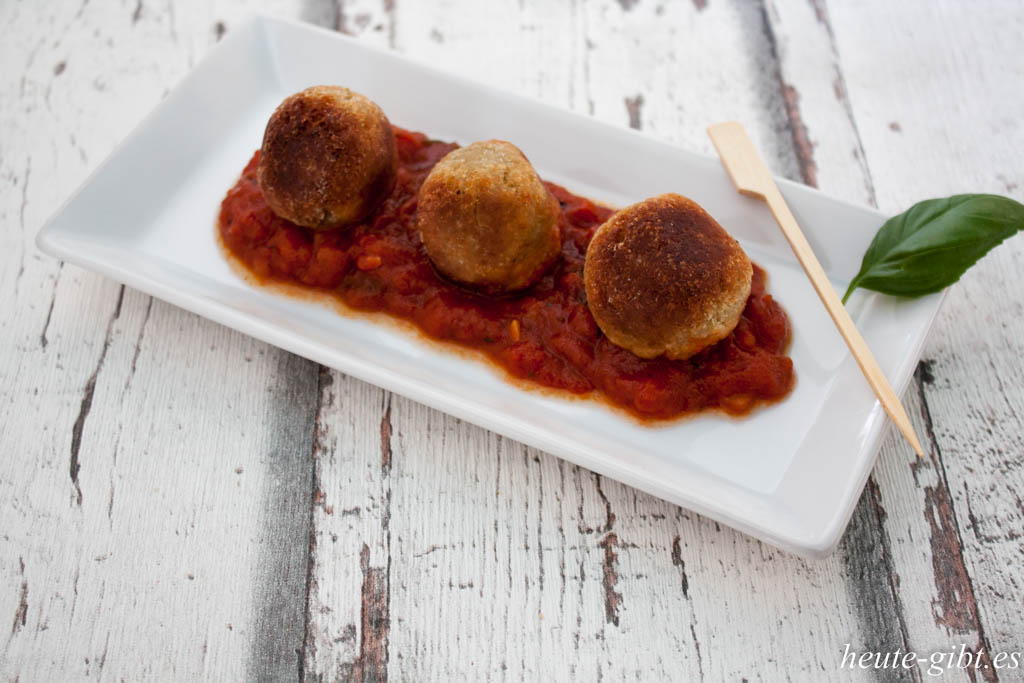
pixel 752 178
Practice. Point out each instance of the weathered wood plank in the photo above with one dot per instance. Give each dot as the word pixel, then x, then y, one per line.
pixel 938 126
pixel 156 466
pixel 917 499
pixel 827 137
pixel 348 604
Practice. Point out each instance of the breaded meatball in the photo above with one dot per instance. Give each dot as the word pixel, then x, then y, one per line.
pixel 328 158
pixel 486 218
pixel 662 277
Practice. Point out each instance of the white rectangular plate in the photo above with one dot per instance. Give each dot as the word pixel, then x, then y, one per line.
pixel 789 474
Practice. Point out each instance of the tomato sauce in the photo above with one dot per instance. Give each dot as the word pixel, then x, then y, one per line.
pixel 545 335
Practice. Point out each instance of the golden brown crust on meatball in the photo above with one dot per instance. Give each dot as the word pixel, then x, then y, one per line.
pixel 487 220
pixel 663 277
pixel 328 158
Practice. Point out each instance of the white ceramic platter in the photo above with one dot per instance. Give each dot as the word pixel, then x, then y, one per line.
pixel 789 474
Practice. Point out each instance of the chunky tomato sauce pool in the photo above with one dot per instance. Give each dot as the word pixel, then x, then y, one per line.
pixel 545 334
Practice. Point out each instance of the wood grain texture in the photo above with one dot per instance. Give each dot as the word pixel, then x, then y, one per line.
pixel 147 484
pixel 971 400
pixel 915 499
pixel 179 501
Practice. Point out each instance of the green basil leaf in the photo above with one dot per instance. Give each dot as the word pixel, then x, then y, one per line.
pixel 929 246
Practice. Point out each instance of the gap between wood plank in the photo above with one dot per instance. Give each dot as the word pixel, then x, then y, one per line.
pixel 323 379
pixel 947 548
pixel 951 576
pixel 866 536
pixel 282 572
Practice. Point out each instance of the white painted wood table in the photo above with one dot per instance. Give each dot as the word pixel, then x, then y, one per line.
pixel 181 502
